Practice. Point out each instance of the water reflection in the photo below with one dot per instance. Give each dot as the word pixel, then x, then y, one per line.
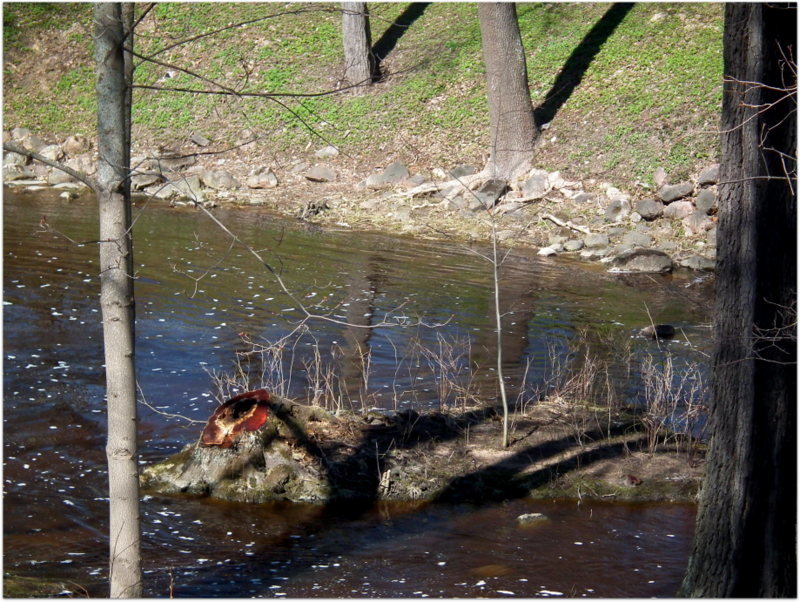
pixel 196 295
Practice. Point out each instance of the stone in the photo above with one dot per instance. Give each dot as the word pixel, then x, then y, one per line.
pixel 17 172
pixel 698 262
pixel 462 170
pixel 710 175
pixel 199 139
pixel 326 152
pixel 14 159
pixel 556 239
pixel 175 163
pixel 490 191
pixel 321 173
pixel 141 181
pixel 531 518
pixel 658 331
pixel 697 223
pixel 536 186
pixel 673 192
pixel 678 209
pixel 637 239
pixel 642 261
pixel 219 180
pixel 76 144
pixel 706 201
pixel 573 245
pixel 56 176
pixel 246 139
pixel 191 188
pixel 635 218
pixel 660 177
pixel 711 237
pixel 394 173
pixel 650 209
pixel 20 134
pixel 554 180
pixel 52 152
pixel 546 252
pixel 33 143
pixel 263 177
pixel 583 197
pixel 596 241
pixel 618 209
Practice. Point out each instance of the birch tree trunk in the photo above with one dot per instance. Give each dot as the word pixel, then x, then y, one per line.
pixel 513 130
pixel 745 539
pixel 359 64
pixel 116 300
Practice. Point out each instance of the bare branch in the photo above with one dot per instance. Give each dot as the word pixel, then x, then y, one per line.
pixel 78 175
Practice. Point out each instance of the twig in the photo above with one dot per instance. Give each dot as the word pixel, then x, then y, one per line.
pixel 566 224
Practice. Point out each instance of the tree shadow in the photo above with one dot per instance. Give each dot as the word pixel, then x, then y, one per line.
pixel 390 37
pixel 578 62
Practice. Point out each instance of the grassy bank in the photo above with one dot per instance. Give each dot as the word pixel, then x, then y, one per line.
pixel 637 90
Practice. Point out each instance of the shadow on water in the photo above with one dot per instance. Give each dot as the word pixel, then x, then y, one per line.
pixel 579 61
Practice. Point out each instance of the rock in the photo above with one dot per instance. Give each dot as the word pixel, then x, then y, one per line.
pixel 12 173
pixel 19 134
pixel 199 139
pixel 175 162
pixel 658 331
pixel 583 197
pixel 596 241
pixel 263 177
pixel 546 252
pixel 573 245
pixel 326 152
pixel 142 180
pixel 674 192
pixel 33 143
pixel 698 262
pixel 56 176
pixel 635 218
pixel 637 239
pixel 554 180
pixel 490 191
pixel 660 177
pixel 643 261
pixel 393 174
pixel 75 145
pixel 709 175
pixel 706 201
pixel 650 209
pixel 536 186
pixel 417 180
pixel 321 173
pixel 218 180
pixel 462 170
pixel 14 159
pixel 531 518
pixel 556 239
pixel 697 223
pixel 52 152
pixel 711 237
pixel 246 140
pixel 678 209
pixel 618 209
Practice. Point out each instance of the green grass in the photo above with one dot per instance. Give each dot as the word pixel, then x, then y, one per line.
pixel 649 98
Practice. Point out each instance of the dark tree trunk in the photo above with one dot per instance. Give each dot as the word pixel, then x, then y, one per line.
pixel 116 299
pixel 513 130
pixel 359 63
pixel 745 541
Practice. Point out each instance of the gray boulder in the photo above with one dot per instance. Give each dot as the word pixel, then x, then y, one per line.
pixel 674 192
pixel 321 173
pixel 697 223
pixel 708 176
pixel 643 261
pixel 326 152
pixel 618 209
pixel 490 191
pixel 263 177
pixel 573 245
pixel 394 173
pixel 583 197
pixel 52 152
pixel 637 239
pixel 706 201
pixel 142 180
pixel 698 262
pixel 650 209
pixel 14 159
pixel 660 177
pixel 596 241
pixel 678 209
pixel 219 180
pixel 199 139
pixel 536 186
pixel 462 170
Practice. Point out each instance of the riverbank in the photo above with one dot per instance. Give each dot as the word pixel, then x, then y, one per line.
pixel 644 230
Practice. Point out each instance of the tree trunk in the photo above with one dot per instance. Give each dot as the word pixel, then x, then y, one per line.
pixel 359 63
pixel 746 525
pixel 513 130
pixel 116 301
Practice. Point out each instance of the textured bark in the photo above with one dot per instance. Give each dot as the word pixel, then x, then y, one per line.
pixel 359 63
pixel 746 526
pixel 513 130
pixel 117 302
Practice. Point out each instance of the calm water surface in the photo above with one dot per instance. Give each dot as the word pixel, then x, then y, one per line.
pixel 195 296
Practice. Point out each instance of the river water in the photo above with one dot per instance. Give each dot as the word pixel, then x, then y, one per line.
pixel 198 296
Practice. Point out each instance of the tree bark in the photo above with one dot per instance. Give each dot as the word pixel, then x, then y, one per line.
pixel 513 130
pixel 117 301
pixel 745 541
pixel 359 63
